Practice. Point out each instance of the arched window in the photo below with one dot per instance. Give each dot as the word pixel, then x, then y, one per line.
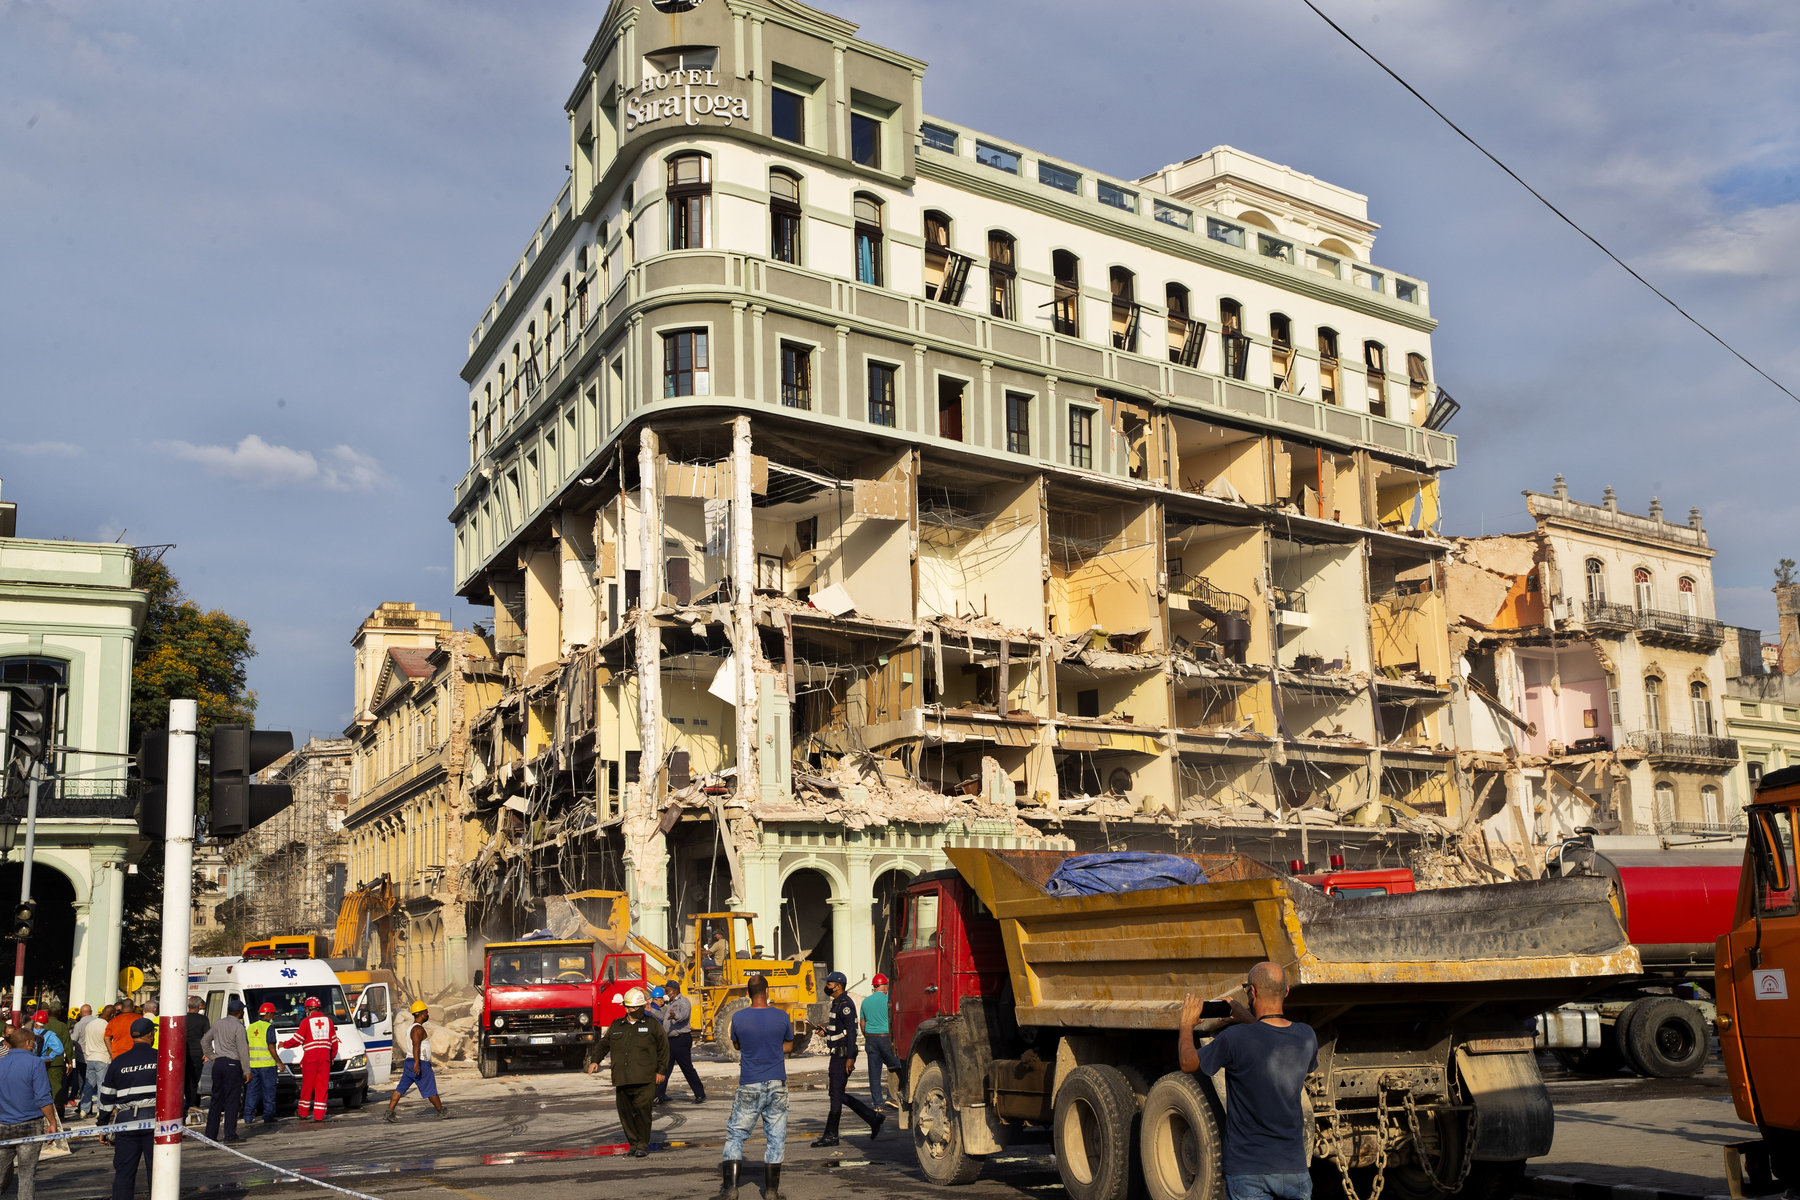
pixel 868 239
pixel 1003 274
pixel 1652 703
pixel 1418 377
pixel 1328 365
pixel 1375 377
pixel 784 217
pixel 946 271
pixel 1231 334
pixel 1665 805
pixel 1702 703
pixel 1124 308
pixel 1690 603
pixel 1281 351
pixel 690 201
pixel 1640 583
pixel 1596 581
pixel 1065 304
pixel 1187 337
pixel 1251 217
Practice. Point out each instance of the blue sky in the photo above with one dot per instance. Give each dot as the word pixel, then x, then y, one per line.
pixel 243 247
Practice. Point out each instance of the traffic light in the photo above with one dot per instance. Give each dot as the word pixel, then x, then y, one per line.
pixel 28 732
pixel 24 914
pixel 238 752
pixel 153 783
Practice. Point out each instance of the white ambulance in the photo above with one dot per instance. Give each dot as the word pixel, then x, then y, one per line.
pixel 286 983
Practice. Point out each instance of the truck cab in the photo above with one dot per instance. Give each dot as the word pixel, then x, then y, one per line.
pixel 947 948
pixel 1757 973
pixel 1388 881
pixel 539 1004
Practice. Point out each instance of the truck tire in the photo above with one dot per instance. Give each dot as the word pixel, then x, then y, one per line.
pixel 1595 1064
pixel 488 1064
pixel 1784 1155
pixel 1180 1141
pixel 722 1027
pixel 1667 1039
pixel 1491 1181
pixel 937 1132
pixel 1091 1127
pixel 354 1098
pixel 1620 1033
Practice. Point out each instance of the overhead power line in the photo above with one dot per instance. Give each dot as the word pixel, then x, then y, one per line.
pixel 1566 219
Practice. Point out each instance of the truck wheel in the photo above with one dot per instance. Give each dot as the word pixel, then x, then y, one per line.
pixel 488 1064
pixel 1620 1033
pixel 1667 1039
pixel 1595 1063
pixel 354 1099
pixel 937 1132
pixel 1784 1155
pixel 1091 1126
pixel 1491 1181
pixel 722 1027
pixel 1180 1143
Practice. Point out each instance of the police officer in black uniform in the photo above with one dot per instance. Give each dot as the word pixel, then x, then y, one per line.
pixel 840 1042
pixel 640 1061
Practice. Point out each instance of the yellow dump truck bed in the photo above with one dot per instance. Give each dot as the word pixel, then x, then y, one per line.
pixel 1126 960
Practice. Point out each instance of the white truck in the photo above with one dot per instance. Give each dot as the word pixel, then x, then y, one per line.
pixel 286 983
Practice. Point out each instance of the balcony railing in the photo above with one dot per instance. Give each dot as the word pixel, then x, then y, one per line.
pixel 1657 625
pixel 76 799
pixel 1289 599
pixel 1604 614
pixel 1688 747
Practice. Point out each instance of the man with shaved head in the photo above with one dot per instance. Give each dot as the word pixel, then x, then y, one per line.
pixel 1266 1059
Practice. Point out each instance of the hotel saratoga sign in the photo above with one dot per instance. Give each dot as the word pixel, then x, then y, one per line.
pixel 669 94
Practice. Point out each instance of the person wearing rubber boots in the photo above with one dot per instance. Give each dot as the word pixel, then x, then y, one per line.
pixel 317 1040
pixel 640 1063
pixel 840 1042
pixel 259 1093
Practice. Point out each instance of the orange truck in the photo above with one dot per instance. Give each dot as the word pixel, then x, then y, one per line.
pixel 1757 987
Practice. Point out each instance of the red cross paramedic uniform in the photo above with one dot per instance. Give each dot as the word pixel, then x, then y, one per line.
pixel 317 1039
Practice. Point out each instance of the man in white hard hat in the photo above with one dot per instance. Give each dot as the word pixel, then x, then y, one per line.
pixel 640 1062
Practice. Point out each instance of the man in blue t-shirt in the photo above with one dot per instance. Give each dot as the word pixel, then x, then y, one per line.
pixel 763 1037
pixel 1266 1059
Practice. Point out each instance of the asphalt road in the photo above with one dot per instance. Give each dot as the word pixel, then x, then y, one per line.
pixel 515 1137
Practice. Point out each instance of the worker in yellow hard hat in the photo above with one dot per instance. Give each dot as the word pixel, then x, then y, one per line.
pixel 418 1064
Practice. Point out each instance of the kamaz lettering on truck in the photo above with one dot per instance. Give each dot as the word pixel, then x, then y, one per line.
pixel 1018 1008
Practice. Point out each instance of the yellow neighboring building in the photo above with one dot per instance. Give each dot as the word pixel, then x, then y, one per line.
pixel 418 684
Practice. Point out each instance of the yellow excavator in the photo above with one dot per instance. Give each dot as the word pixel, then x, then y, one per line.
pixel 713 977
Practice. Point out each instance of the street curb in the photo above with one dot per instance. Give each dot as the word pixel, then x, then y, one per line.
pixel 1565 1187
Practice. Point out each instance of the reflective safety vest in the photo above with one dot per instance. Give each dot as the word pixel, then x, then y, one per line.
pixel 260 1053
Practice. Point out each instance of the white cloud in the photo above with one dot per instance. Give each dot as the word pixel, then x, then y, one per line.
pixel 254 461
pixel 43 449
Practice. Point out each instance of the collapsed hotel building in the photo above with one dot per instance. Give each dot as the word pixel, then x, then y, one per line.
pixel 847 483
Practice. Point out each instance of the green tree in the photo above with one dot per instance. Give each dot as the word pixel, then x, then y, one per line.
pixel 1784 571
pixel 184 652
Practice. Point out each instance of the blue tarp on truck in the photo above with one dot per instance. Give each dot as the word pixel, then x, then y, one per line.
pixel 1124 871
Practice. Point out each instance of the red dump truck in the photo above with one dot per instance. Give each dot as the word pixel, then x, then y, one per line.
pixel 1675 903
pixel 1017 1008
